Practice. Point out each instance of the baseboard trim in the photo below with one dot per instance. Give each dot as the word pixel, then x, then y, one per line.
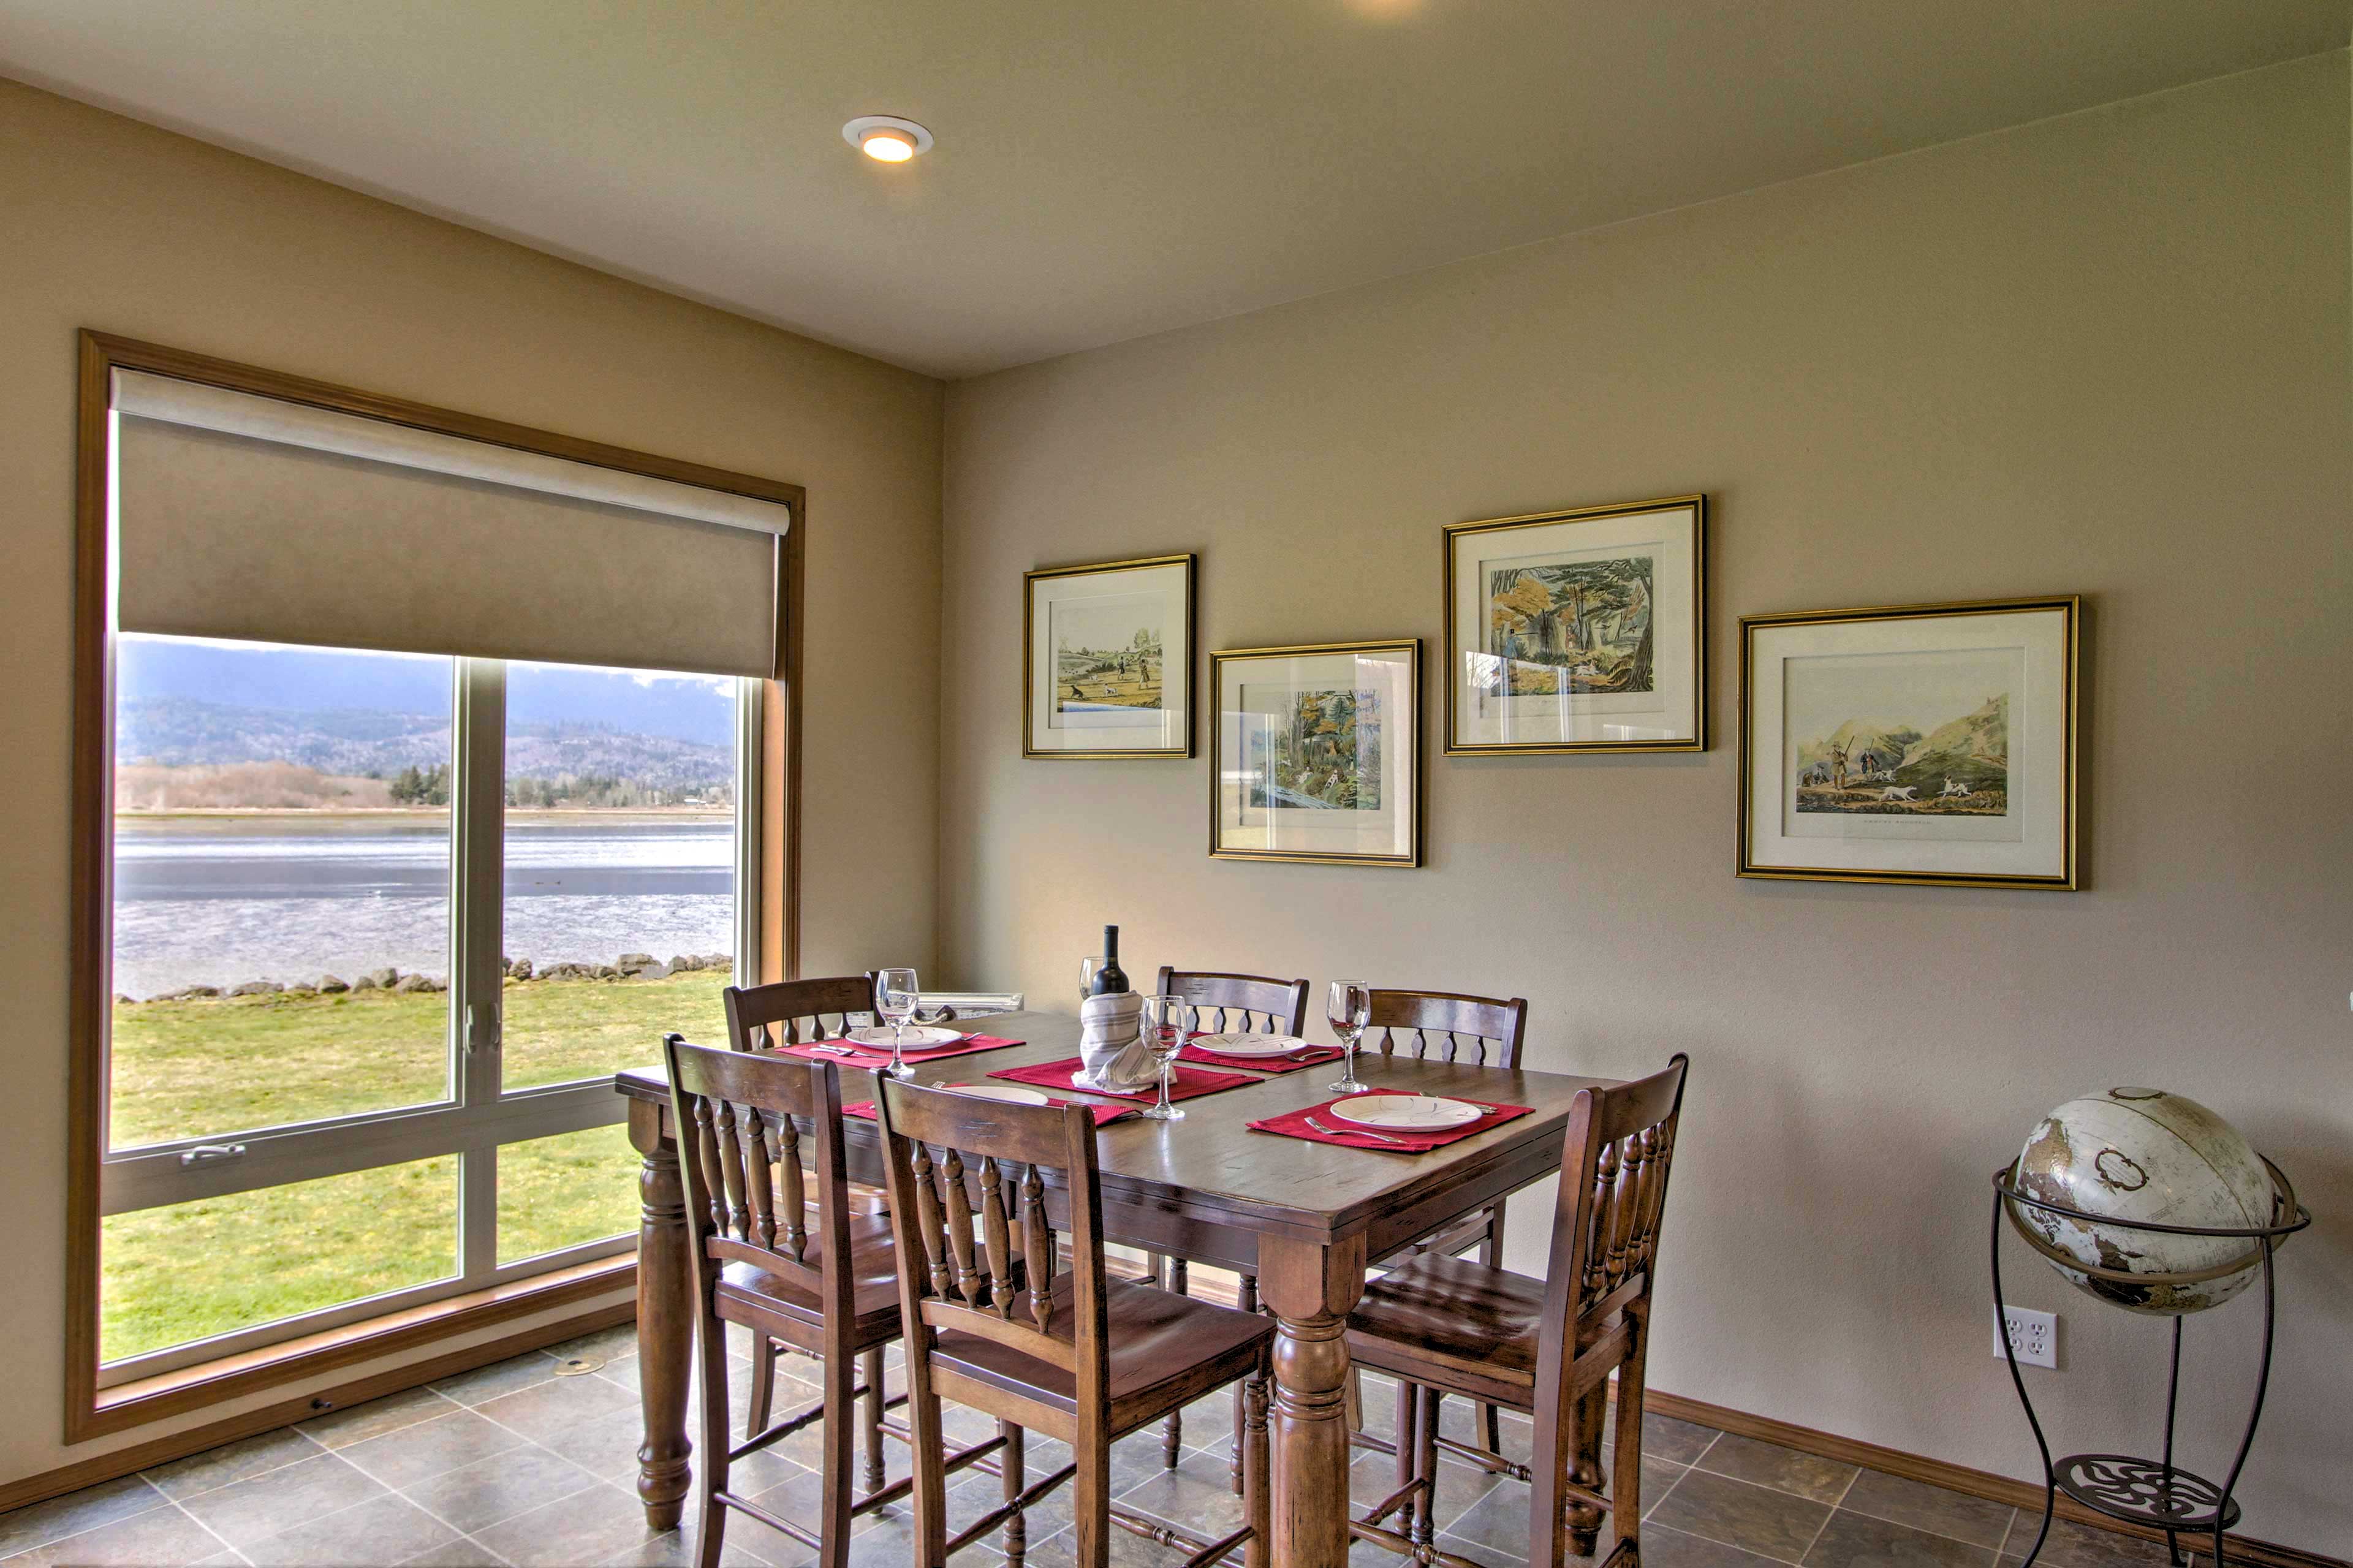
pixel 1956 1478
pixel 160 1450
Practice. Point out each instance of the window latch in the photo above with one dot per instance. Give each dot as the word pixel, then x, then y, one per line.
pixel 206 1154
pixel 482 1028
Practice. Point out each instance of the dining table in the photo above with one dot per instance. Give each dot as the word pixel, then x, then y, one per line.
pixel 1305 1218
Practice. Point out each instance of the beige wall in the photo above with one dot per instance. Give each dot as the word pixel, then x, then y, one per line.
pixel 116 226
pixel 2104 354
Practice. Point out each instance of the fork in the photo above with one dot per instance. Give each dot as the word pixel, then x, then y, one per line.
pixel 1356 1132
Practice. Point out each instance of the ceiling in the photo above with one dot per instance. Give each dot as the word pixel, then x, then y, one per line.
pixel 1105 168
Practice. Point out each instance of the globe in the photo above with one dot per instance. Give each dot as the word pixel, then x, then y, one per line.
pixel 2143 1154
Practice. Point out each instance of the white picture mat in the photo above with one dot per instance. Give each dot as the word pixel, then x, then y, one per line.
pixel 1670 711
pixel 1279 830
pixel 1130 729
pixel 2038 744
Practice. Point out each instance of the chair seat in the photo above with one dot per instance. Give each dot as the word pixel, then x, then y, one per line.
pixel 1165 1350
pixel 1437 1312
pixel 750 1295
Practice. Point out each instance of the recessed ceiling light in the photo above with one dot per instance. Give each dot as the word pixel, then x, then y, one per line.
pixel 887 139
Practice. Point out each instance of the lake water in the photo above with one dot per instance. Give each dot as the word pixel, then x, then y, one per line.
pixel 217 901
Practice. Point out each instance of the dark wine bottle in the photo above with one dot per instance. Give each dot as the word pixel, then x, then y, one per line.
pixel 1110 980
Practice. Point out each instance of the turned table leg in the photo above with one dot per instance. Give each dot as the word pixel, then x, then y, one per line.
pixel 665 1321
pixel 1311 1289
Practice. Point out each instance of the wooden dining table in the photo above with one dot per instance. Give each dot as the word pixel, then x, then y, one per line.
pixel 1305 1218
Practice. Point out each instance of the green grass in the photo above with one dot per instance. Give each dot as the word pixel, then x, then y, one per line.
pixel 185 1069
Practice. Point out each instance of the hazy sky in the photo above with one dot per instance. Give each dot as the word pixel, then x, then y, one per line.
pixel 1893 690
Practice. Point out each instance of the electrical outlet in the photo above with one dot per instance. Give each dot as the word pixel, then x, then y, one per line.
pixel 2033 1335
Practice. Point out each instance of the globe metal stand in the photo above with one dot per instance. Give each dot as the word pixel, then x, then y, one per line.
pixel 2157 1493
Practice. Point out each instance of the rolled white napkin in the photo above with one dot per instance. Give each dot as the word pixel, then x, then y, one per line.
pixel 1111 1052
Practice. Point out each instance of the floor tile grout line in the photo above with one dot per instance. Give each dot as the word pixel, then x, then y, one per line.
pixel 271 1471
pixel 1823 1528
pixel 207 1529
pixel 1924 1529
pixel 140 1475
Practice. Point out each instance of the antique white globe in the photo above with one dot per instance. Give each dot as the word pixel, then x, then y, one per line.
pixel 2145 1155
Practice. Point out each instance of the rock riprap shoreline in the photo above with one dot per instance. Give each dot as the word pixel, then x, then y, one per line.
pixel 519 971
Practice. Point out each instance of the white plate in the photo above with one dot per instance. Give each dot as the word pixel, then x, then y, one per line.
pixel 1407 1112
pixel 914 1036
pixel 1252 1045
pixel 998 1091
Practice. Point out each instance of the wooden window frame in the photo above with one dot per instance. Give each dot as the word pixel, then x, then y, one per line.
pixel 773 831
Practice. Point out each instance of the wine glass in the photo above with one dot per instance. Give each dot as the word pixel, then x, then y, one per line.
pixel 1087 967
pixel 896 997
pixel 1167 1021
pixel 1349 1006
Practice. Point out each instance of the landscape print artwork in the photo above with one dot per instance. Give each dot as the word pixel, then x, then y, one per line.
pixel 1319 750
pixel 1572 627
pixel 1921 737
pixel 1107 653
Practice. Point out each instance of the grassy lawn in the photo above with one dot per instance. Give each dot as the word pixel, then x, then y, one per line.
pixel 206 1068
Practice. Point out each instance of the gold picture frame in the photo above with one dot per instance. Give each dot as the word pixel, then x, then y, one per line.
pixel 1635 681
pixel 1956 754
pixel 1321 761
pixel 1130 697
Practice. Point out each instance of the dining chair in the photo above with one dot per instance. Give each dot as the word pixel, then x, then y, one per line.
pixel 979 1189
pixel 1445 1325
pixel 793 1012
pixel 1445 1025
pixel 797 1268
pixel 1237 1004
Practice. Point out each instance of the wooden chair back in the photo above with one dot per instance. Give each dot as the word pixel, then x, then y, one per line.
pixel 1452 1028
pixel 790 1012
pixel 1264 1006
pixel 1613 1195
pixel 970 1184
pixel 741 1146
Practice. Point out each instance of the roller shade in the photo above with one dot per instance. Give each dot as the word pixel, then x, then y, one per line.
pixel 246 517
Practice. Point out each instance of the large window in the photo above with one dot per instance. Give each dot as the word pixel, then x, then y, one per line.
pixel 395 834
pixel 383 927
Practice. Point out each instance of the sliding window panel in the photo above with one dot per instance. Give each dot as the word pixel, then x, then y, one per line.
pixel 620 866
pixel 281 912
pixel 188 1273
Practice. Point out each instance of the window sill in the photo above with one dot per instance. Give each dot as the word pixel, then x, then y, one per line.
pixel 214 1383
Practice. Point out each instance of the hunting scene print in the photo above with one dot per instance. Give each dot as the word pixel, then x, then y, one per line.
pixel 1902 735
pixel 1321 753
pixel 1572 628
pixel 1107 654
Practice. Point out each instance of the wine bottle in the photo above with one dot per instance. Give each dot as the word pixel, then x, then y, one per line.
pixel 1110 980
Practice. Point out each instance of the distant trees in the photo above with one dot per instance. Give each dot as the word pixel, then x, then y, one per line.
pixel 608 791
pixel 412 785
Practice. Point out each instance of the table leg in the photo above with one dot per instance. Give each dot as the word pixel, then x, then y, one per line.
pixel 665 1321
pixel 1310 1289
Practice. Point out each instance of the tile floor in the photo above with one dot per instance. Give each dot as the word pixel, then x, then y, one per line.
pixel 531 1463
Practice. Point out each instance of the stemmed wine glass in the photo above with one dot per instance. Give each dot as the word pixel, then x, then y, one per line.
pixel 1167 1021
pixel 1348 1007
pixel 1087 967
pixel 896 997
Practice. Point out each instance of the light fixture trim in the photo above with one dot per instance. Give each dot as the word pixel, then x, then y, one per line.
pixel 866 125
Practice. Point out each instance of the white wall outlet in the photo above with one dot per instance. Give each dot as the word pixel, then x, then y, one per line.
pixel 2034 1335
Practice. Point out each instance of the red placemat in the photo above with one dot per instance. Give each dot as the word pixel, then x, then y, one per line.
pixel 1186 1084
pixel 1293 1124
pixel 1103 1113
pixel 869 1057
pixel 1309 1057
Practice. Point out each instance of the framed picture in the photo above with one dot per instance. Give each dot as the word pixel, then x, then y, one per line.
pixel 1930 743
pixel 1578 631
pixel 1317 753
pixel 1107 659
